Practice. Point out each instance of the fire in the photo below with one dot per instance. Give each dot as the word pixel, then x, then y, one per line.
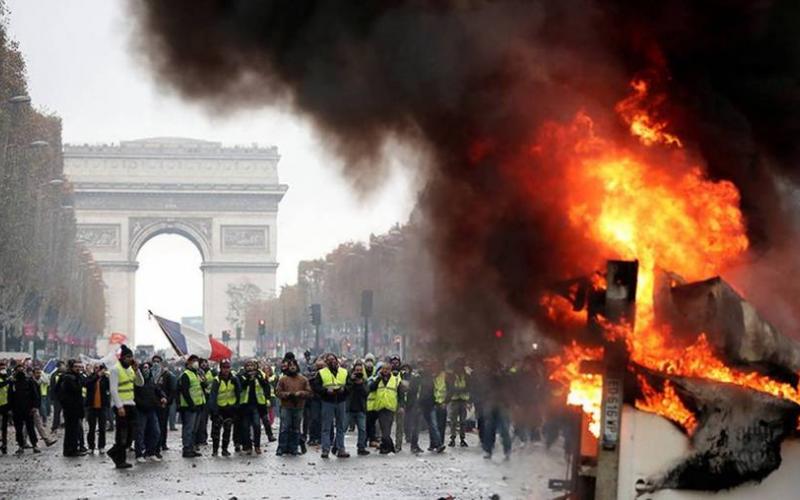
pixel 657 206
pixel 633 110
pixel 585 389
pixel 666 403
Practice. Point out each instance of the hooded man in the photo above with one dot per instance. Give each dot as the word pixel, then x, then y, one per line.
pixel 123 377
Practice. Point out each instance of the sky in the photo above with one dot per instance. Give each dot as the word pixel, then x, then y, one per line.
pixel 80 67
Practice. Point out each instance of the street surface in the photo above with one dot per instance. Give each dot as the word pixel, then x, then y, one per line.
pixel 459 472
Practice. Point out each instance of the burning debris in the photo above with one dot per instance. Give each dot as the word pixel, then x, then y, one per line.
pixel 736 436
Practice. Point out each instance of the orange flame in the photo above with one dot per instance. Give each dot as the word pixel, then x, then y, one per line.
pixel 585 389
pixel 666 403
pixel 658 207
pixel 642 125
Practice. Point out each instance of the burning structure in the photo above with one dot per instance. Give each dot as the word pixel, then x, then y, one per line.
pixel 560 135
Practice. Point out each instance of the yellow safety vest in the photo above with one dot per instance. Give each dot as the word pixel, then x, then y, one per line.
pixel 331 382
pixel 460 385
pixel 125 377
pixel 261 398
pixel 226 394
pixel 371 398
pixel 386 394
pixel 43 389
pixel 440 389
pixel 4 395
pixel 195 390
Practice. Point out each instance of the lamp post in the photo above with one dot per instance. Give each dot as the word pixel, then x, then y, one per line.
pixel 13 102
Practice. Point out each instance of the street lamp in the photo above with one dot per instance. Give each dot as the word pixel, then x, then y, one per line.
pixel 19 99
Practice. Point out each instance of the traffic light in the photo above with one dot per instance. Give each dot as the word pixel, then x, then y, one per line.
pixel 262 328
pixel 316 314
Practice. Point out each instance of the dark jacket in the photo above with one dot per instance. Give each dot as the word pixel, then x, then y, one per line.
pixel 412 395
pixel 91 383
pixel 357 395
pixel 212 397
pixel 70 394
pixel 23 394
pixel 339 396
pixel 148 396
pixel 425 398
pixel 248 385
pixel 168 383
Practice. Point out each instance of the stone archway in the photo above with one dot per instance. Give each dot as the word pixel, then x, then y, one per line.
pixel 143 229
pixel 223 200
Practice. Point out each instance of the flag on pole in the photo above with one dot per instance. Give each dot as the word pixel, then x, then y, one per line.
pixel 50 366
pixel 185 340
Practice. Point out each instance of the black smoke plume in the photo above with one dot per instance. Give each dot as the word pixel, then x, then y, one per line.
pixel 469 81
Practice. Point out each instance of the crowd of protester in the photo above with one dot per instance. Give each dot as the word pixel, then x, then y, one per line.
pixel 386 404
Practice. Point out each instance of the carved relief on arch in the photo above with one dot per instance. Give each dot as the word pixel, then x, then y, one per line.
pixel 196 229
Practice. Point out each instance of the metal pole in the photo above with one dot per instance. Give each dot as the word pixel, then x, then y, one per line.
pixel 238 341
pixel 316 339
pixel 366 335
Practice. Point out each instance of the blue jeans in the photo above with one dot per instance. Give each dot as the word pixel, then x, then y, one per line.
pixel 331 411
pixel 250 430
pixel 188 423
pixel 431 418
pixel 496 421
pixel 44 408
pixel 360 418
pixel 148 433
pixel 289 434
pixel 173 415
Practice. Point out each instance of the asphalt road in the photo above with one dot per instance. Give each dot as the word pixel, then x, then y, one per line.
pixel 459 473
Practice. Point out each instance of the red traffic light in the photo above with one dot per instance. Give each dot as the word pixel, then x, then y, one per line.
pixel 499 334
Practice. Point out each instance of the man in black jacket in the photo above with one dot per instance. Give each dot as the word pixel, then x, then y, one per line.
pixel 149 398
pixel 357 404
pixel 169 386
pixel 70 393
pixel 97 402
pixel 24 396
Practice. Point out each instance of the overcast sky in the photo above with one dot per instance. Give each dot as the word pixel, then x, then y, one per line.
pixel 80 67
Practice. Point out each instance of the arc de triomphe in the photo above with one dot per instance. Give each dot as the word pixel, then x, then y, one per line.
pixel 223 199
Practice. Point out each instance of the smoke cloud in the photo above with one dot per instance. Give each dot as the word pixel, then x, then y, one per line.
pixel 471 81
